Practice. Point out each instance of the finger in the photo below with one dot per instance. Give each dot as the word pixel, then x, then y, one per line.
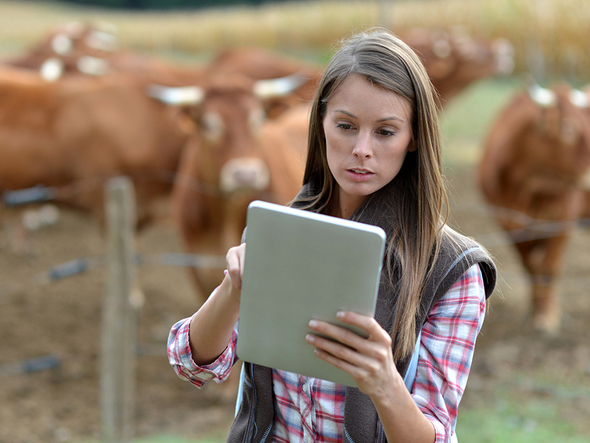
pixel 353 370
pixel 338 350
pixel 337 333
pixel 375 333
pixel 363 370
pixel 235 264
pixel 368 324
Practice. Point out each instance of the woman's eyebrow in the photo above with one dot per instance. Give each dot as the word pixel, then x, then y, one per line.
pixel 394 117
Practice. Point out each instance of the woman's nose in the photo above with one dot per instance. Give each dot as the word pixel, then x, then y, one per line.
pixel 362 148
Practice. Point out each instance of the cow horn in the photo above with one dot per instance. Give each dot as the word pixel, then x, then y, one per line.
pixel 103 41
pixel 92 65
pixel 278 87
pixel 542 96
pixel 178 96
pixel 62 44
pixel 74 29
pixel 579 98
pixel 52 69
pixel 106 27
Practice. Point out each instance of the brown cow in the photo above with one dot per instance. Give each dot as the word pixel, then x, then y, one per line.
pixel 76 49
pixel 534 161
pixel 76 133
pixel 71 48
pixel 234 156
pixel 93 50
pixel 454 60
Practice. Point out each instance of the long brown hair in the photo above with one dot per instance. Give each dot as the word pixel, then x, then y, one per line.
pixel 415 200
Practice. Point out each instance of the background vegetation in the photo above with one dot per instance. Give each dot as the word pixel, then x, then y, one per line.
pixel 549 36
pixel 166 4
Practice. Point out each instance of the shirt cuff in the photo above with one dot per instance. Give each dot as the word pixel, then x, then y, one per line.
pixel 439 430
pixel 180 357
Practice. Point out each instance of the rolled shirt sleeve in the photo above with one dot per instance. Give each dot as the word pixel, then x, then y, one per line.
pixel 180 357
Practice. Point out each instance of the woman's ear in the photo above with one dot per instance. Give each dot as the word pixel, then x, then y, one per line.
pixel 412 146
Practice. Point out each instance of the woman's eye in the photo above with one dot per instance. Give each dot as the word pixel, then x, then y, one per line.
pixel 385 132
pixel 344 126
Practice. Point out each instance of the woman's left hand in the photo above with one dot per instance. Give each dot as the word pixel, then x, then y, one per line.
pixel 369 361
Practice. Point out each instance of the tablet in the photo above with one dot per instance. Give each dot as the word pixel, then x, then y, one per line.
pixel 300 266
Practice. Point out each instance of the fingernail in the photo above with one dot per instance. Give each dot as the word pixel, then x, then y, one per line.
pixel 309 338
pixel 341 314
pixel 225 272
pixel 312 323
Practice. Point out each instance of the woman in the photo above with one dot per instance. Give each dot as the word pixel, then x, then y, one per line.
pixel 373 156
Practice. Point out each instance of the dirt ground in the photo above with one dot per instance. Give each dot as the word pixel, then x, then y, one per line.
pixel 62 319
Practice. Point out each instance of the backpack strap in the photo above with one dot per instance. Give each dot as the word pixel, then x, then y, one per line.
pixel 413 365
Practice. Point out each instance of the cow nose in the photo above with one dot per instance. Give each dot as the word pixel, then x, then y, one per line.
pixel 244 174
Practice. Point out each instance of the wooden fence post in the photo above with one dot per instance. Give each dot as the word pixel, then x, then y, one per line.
pixel 120 318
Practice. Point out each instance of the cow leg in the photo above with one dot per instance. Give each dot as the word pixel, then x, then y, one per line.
pixel 19 239
pixel 543 259
pixel 585 209
pixel 545 301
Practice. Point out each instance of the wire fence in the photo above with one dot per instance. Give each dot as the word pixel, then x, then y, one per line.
pixel 533 229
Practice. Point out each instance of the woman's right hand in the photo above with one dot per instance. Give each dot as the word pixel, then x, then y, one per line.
pixel 212 325
pixel 235 267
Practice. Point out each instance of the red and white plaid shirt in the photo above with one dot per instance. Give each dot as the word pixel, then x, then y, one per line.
pixel 312 410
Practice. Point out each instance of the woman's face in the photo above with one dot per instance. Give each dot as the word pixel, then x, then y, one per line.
pixel 368 131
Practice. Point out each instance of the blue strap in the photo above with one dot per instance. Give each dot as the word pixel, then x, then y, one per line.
pixel 240 389
pixel 413 366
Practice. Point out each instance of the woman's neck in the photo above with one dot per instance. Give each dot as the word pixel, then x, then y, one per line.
pixel 344 206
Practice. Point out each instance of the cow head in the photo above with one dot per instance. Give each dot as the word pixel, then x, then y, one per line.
pixel 78 48
pixel 453 59
pixel 226 164
pixel 563 119
pixel 98 39
pixel 228 114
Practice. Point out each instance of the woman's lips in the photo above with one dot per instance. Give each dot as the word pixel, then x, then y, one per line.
pixel 359 174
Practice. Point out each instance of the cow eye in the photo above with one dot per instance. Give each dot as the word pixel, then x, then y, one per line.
pixel 212 126
pixel 256 119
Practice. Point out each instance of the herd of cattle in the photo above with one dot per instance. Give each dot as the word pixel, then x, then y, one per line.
pixel 77 110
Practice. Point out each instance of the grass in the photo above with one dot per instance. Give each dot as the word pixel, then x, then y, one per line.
pixel 466 120
pixel 502 416
pixel 507 418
